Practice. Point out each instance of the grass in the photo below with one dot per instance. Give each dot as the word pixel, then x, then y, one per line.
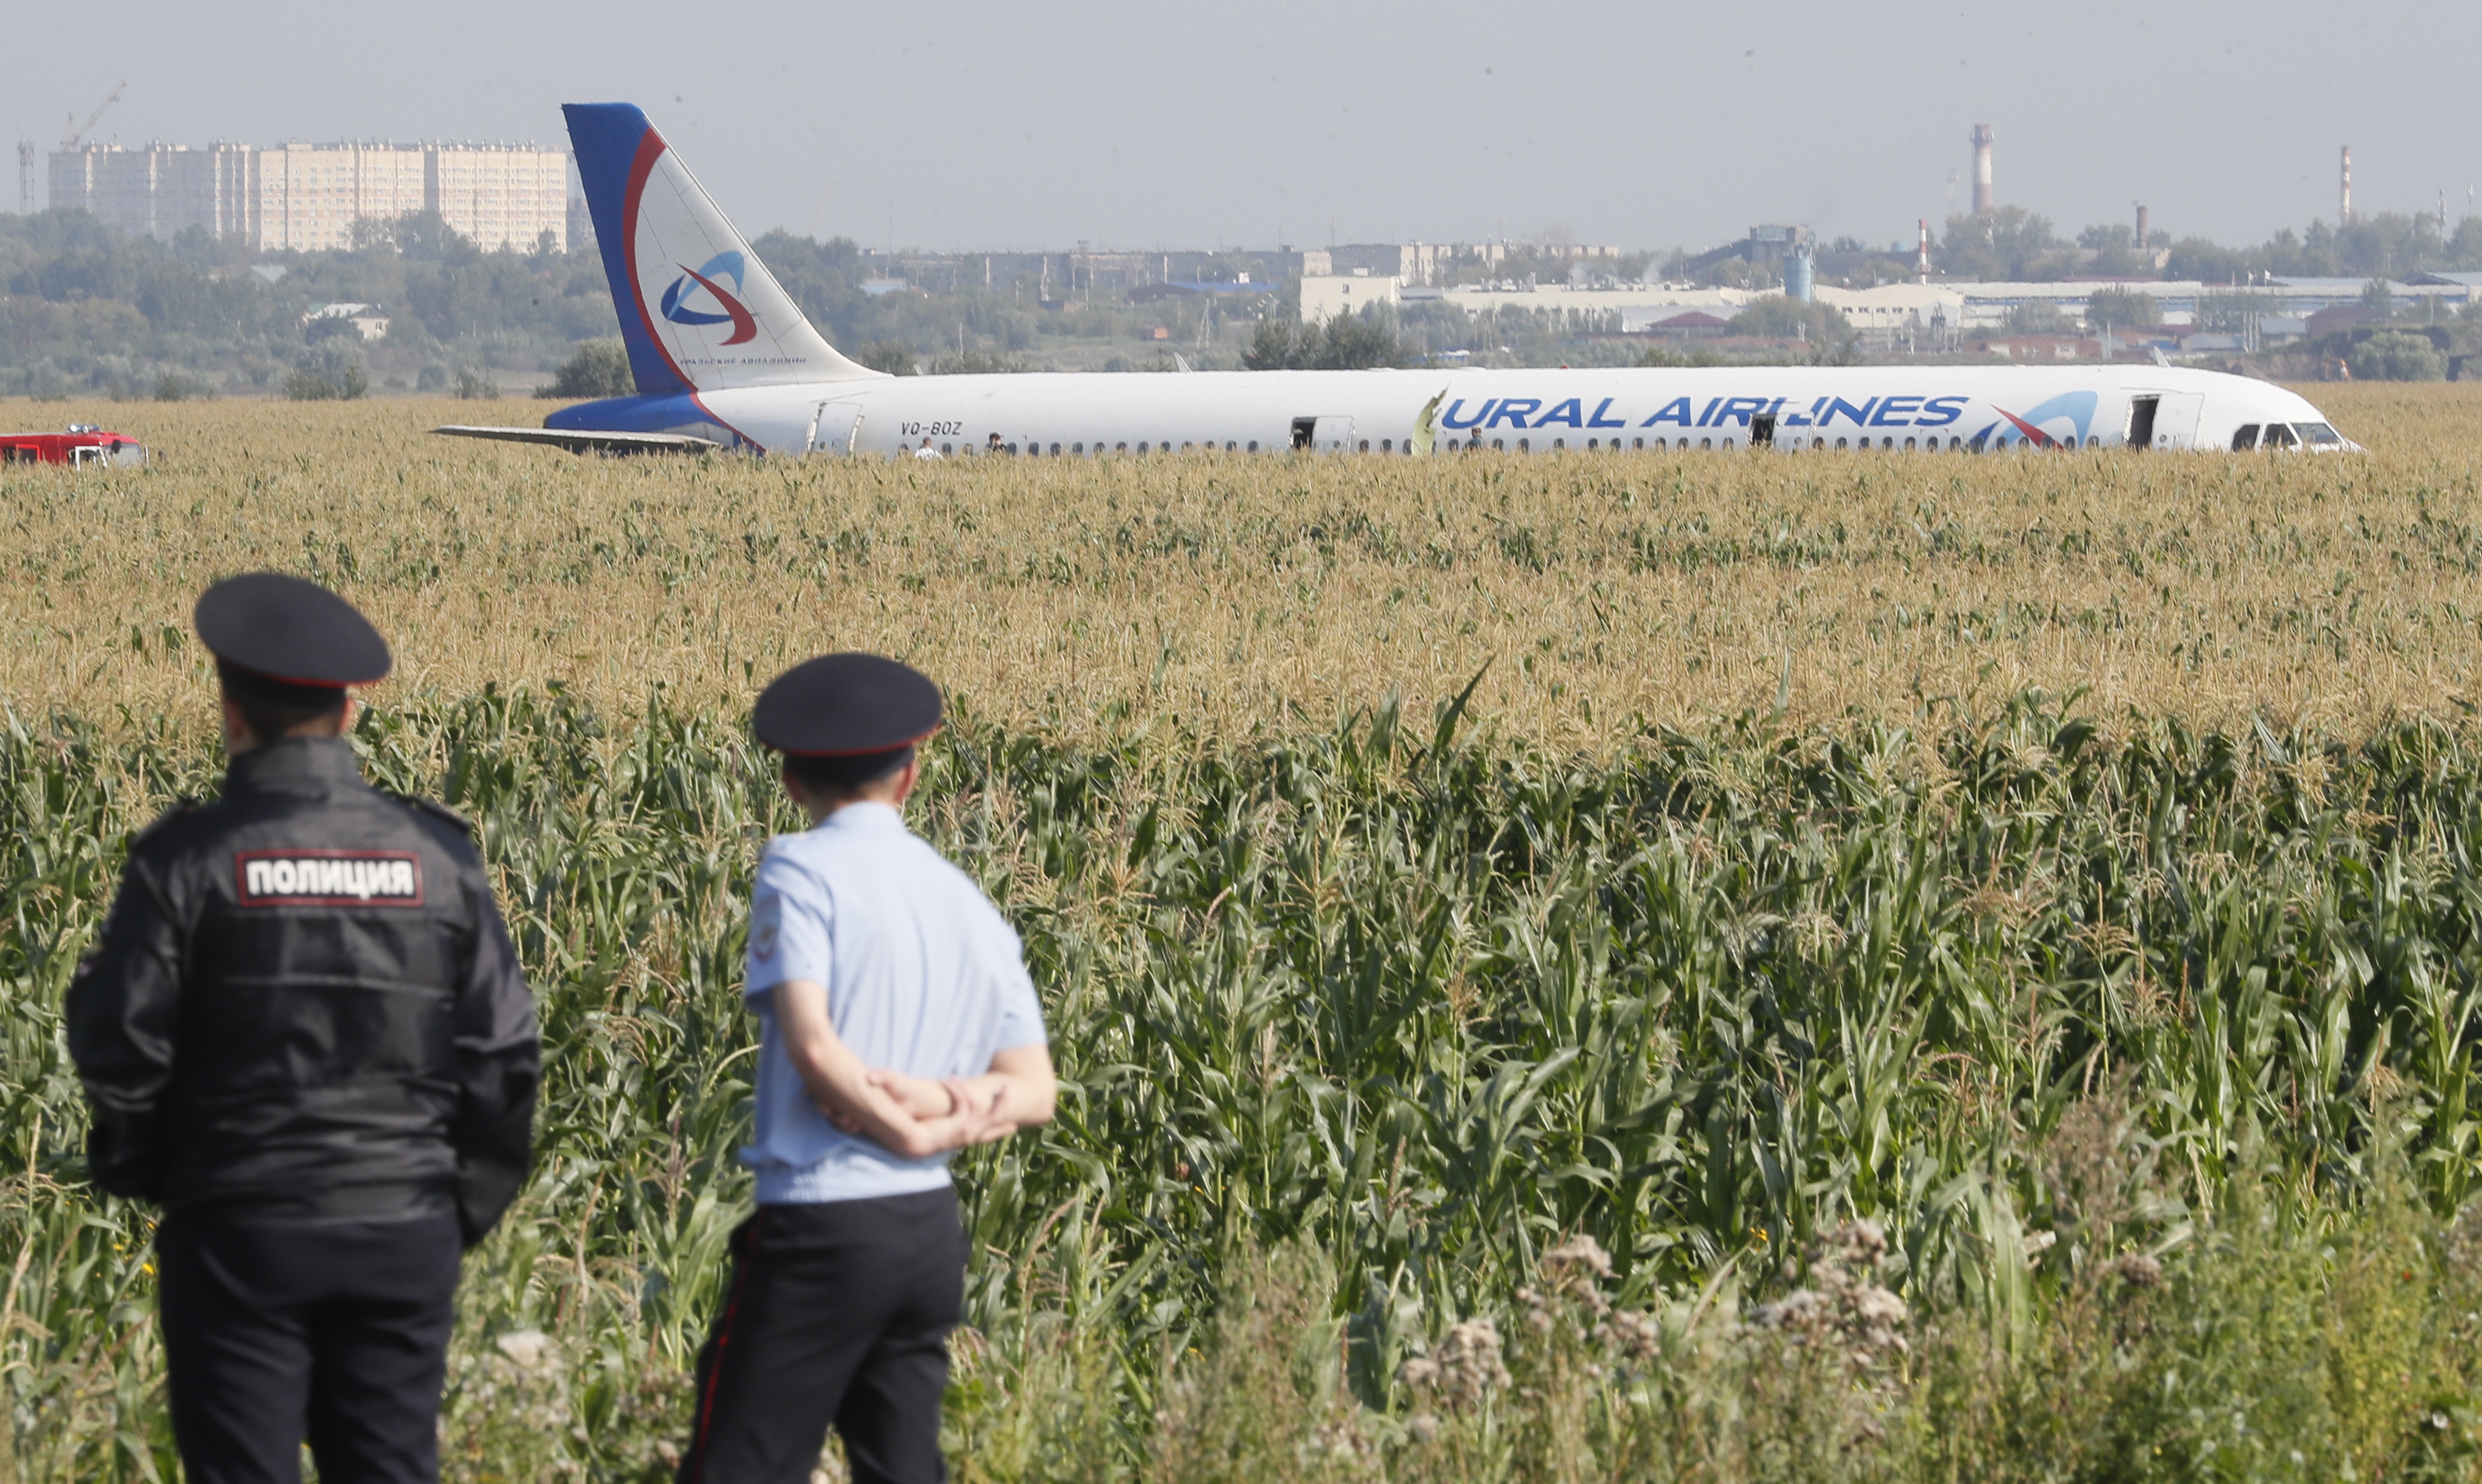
pixel 1401 1043
pixel 1238 595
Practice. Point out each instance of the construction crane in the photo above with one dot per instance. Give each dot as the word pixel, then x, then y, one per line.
pixel 73 132
pixel 77 131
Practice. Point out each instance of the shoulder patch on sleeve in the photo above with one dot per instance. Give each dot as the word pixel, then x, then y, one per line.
pixel 178 809
pixel 766 927
pixel 441 811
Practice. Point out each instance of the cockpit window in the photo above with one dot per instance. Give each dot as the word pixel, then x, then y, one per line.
pixel 2318 434
pixel 2278 435
pixel 2246 439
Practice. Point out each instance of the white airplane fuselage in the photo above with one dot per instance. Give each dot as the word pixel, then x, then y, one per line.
pixel 1407 412
pixel 723 357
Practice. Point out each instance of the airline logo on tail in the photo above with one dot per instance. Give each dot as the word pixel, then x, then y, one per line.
pixel 676 307
pixel 698 311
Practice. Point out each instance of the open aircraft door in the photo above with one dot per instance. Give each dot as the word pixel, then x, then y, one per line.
pixel 835 428
pixel 1325 435
pixel 2175 419
pixel 2164 421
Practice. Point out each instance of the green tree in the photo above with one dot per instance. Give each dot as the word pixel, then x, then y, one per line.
pixel 2116 250
pixel 1348 342
pixel 330 372
pixel 2397 355
pixel 2463 250
pixel 971 363
pixel 2376 295
pixel 1357 342
pixel 2038 317
pixel 2195 257
pixel 2008 242
pixel 2387 243
pixel 1782 317
pixel 893 356
pixel 416 236
pixel 1272 346
pixel 2231 312
pixel 600 368
pixel 2124 307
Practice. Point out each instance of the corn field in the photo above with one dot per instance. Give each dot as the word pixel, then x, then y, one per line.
pixel 1427 1008
pixel 1238 595
pixel 2007 1083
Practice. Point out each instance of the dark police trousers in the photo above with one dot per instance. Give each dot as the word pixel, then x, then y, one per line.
pixel 836 1313
pixel 334 1332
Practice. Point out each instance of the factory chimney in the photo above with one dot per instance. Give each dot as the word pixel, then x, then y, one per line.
pixel 1981 137
pixel 1922 258
pixel 2142 253
pixel 2344 190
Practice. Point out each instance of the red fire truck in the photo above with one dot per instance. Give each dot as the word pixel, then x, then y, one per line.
pixel 84 443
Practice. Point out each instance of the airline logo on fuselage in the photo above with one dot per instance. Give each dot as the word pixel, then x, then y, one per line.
pixel 2075 408
pixel 680 304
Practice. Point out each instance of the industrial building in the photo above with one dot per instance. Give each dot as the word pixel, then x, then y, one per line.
pixel 307 197
pixel 1625 305
pixel 1911 315
pixel 1422 264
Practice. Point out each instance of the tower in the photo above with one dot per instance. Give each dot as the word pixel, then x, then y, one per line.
pixel 2344 190
pixel 1982 198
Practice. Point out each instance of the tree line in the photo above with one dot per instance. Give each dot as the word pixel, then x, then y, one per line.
pixel 88 310
pixel 2013 243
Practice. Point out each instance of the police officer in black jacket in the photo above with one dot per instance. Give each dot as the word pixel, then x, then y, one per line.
pixel 305 1035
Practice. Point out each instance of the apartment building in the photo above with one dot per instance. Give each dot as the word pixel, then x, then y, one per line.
pixel 307 197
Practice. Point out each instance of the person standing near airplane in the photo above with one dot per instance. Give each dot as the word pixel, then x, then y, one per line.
pixel 303 1034
pixel 897 1025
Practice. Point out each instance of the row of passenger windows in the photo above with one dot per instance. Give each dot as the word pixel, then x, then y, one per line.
pixel 1079 449
pixel 1908 445
pixel 1503 446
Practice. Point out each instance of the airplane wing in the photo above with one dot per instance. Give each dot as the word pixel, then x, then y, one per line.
pixel 582 441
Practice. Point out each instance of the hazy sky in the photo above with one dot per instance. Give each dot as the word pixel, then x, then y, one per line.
pixel 966 123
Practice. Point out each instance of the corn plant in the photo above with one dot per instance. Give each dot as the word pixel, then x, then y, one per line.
pixel 1427 1005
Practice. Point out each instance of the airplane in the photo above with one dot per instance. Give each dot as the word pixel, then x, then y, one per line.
pixel 723 359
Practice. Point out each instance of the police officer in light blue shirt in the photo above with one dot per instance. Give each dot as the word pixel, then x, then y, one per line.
pixel 897 1025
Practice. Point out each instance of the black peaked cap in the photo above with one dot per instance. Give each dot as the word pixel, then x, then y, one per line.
pixel 846 705
pixel 290 629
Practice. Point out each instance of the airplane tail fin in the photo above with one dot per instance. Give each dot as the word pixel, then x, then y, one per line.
pixel 698 311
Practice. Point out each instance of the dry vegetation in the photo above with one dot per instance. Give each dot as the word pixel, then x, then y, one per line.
pixel 2044 1089
pixel 1235 593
